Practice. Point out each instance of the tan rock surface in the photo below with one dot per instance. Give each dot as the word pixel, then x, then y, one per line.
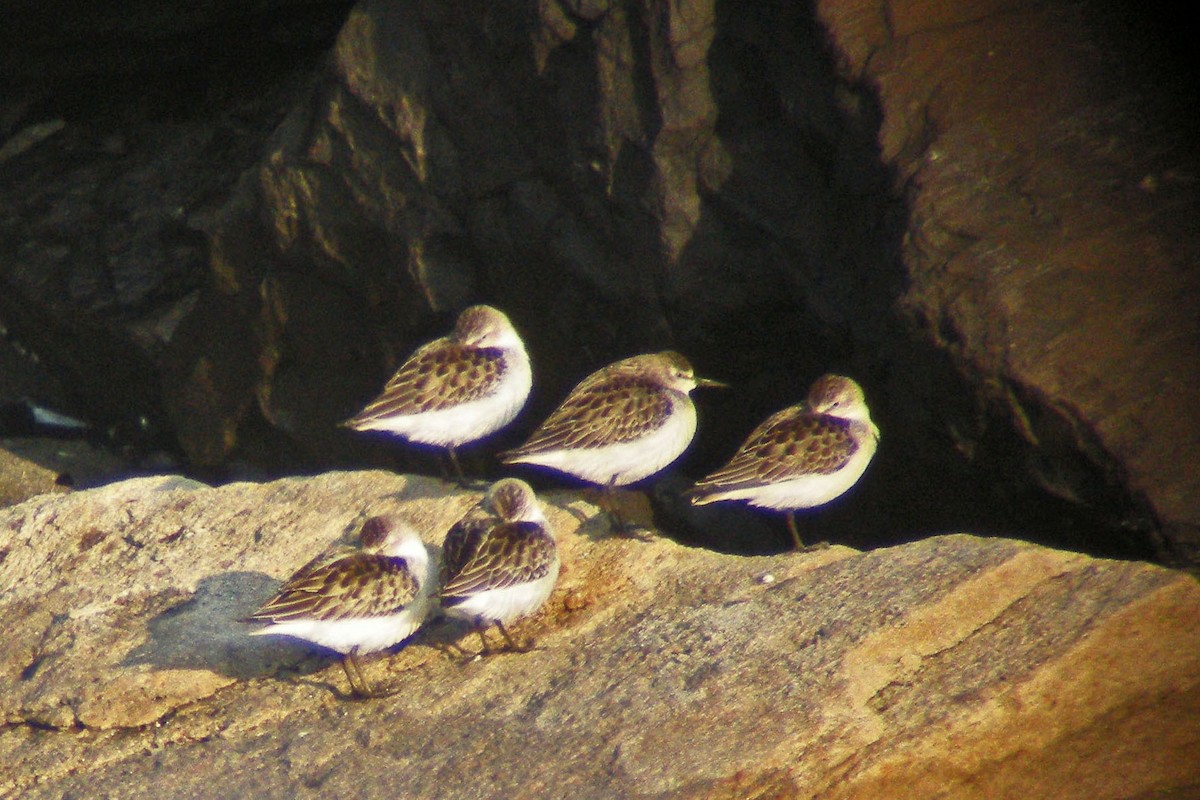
pixel 955 666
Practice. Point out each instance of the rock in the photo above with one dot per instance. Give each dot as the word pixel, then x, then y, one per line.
pixel 22 478
pixel 53 43
pixel 953 666
pixel 756 188
pixel 1050 250
pixel 547 165
pixel 122 132
pixel 29 467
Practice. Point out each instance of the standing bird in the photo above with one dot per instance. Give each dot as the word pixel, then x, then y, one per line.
pixel 356 601
pixel 620 424
pixel 457 389
pixel 801 457
pixel 500 561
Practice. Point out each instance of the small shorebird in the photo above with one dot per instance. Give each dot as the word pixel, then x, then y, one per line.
pixel 500 561
pixel 356 600
pixel 622 423
pixel 801 457
pixel 457 389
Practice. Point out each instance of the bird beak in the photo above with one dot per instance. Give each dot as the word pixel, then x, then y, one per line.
pixel 706 383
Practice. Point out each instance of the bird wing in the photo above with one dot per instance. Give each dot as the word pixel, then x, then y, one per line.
pixel 789 444
pixel 440 375
pixel 603 410
pixel 504 554
pixel 357 585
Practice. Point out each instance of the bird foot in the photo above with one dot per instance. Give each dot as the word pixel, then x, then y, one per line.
pixel 628 530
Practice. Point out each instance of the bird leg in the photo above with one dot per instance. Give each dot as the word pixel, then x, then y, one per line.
pixel 359 686
pixel 510 644
pixel 619 526
pixel 462 479
pixel 791 521
pixel 480 627
pixel 614 515
pixel 513 647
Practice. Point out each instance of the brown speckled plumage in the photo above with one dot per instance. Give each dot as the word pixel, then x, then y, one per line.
pixel 457 389
pixel 605 410
pixel 615 405
pixel 789 443
pixel 481 554
pixel 440 375
pixel 499 562
pixel 356 600
pixel 357 585
pixel 801 457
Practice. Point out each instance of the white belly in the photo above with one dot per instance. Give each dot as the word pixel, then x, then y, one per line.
pixel 808 491
pixel 626 463
pixel 505 604
pixel 468 422
pixel 368 634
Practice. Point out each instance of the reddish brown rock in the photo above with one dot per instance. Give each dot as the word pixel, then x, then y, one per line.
pixel 1051 247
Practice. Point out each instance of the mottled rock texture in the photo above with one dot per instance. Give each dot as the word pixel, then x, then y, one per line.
pixel 957 666
pixel 984 211
pixel 123 129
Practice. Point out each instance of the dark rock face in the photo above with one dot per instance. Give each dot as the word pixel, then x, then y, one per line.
pixel 617 180
pixel 773 189
pixel 1051 249
pixel 123 131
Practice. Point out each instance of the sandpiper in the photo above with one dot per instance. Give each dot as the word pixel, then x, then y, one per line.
pixel 801 457
pixel 457 389
pixel 500 561
pixel 622 423
pixel 356 601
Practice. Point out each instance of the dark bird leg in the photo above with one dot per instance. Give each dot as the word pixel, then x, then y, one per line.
pixel 510 644
pixel 462 480
pixel 619 526
pixel 614 515
pixel 359 686
pixel 791 521
pixel 513 647
pixel 480 627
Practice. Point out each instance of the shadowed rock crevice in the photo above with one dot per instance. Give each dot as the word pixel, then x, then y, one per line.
pixel 776 190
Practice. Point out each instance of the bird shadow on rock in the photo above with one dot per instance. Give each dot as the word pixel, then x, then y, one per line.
pixel 459 641
pixel 204 632
pixel 426 487
pixel 597 526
